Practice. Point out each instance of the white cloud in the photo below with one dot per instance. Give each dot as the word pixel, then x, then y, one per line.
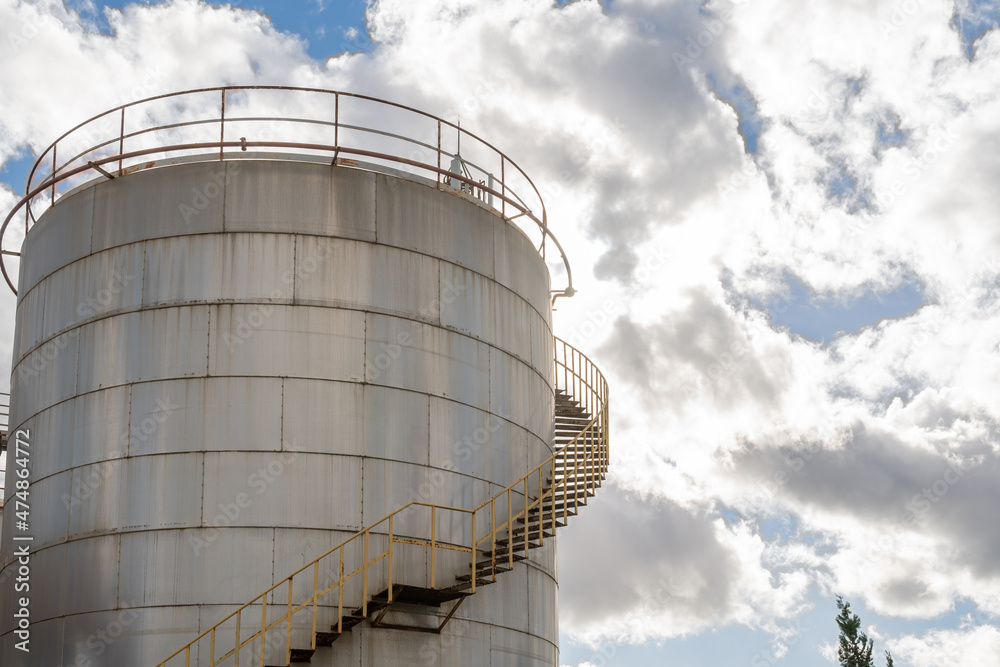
pixel 976 646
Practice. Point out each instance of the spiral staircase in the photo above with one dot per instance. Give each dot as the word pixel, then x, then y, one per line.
pixel 476 547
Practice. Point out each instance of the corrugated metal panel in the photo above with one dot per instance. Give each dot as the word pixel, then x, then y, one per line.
pixel 43 378
pixel 282 488
pixel 412 355
pixel 477 443
pixel 543 614
pixel 527 405
pixel 148 345
pixel 362 275
pixel 467 302
pixel 106 283
pixel 220 268
pixel 506 604
pixel 136 494
pixel 323 416
pixel 398 648
pixel 100 426
pixel 49 652
pixel 300 198
pixel 98 589
pixel 281 341
pixel 29 326
pixel 56 454
pixel 518 268
pixel 60 237
pixel 205 414
pixel 417 217
pixel 49 509
pixel 195 566
pixel 396 424
pixel 157 204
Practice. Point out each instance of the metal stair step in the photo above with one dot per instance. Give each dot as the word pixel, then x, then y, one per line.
pixel 298 655
pixel 326 638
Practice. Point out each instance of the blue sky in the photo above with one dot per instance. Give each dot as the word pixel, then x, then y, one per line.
pixel 814 112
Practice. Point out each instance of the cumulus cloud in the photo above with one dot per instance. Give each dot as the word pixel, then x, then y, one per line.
pixel 976 646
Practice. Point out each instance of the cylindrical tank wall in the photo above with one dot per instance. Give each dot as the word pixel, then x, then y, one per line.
pixel 228 368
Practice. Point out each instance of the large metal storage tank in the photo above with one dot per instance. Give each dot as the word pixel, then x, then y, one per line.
pixel 235 366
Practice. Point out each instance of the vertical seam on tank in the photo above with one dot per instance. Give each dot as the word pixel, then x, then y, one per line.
pixel 128 444
pixel 225 189
pixel 364 390
pixel 93 217
pixel 295 264
pixel 202 521
pixel 76 380
pixel 118 578
pixel 440 325
pixel 208 343
pixel 142 281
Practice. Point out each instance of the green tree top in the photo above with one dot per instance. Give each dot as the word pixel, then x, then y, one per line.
pixel 855 648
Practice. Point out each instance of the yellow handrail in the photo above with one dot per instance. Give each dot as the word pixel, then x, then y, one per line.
pixel 585 459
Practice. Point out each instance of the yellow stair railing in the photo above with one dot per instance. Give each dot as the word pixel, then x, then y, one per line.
pixel 505 528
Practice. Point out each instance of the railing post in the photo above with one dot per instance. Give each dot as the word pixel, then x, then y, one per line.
pixel 510 530
pixel 340 594
pixel 473 552
pixel 434 544
pixel 552 495
pixel 263 626
pixel 503 188
pixel 391 543
pixel 288 632
pixel 315 600
pixel 527 518
pixel 438 174
pixel 222 125
pixel 239 618
pixel 493 533
pixel 121 142
pixel 541 508
pixel 364 602
pixel 52 192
